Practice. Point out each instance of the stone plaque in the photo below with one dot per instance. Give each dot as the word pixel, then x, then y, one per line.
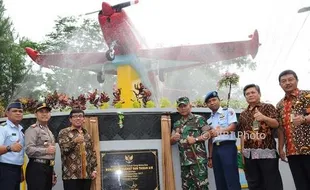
pixel 130 170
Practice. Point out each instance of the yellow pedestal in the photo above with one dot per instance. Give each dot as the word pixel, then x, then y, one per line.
pixel 23 185
pixel 126 78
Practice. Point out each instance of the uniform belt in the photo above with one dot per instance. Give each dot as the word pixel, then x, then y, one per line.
pixel 10 165
pixel 43 161
pixel 224 142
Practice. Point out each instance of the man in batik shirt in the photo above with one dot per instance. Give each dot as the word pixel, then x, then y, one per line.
pixel 294 130
pixel 190 132
pixel 77 154
pixel 257 122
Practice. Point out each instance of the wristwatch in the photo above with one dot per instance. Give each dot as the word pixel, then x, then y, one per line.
pixel 196 139
pixel 8 148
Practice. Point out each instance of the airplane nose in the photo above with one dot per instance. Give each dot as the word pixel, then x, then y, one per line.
pixel 33 54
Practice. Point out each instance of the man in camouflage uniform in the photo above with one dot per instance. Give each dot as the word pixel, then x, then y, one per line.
pixel 190 132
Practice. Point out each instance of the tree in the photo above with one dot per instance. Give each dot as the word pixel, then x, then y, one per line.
pixel 70 35
pixel 12 61
pixel 200 80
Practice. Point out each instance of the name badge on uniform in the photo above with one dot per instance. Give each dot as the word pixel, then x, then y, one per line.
pixel 222 116
pixel 13 134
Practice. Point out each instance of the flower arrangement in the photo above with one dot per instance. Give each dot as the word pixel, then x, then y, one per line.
pixel 117 102
pixel 98 99
pixel 57 100
pixel 29 104
pixel 143 96
pixel 228 80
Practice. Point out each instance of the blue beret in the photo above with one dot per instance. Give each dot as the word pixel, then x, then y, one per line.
pixel 211 94
pixel 17 105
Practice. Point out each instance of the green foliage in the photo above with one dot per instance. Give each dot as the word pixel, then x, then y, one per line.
pixel 136 104
pixel 236 104
pixel 118 105
pixel 199 103
pixel 104 106
pixel 70 35
pixel 165 103
pixel 12 59
pixel 228 79
pixel 150 104
pixel 73 34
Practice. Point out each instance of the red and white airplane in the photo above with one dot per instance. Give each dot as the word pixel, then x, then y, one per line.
pixel 125 47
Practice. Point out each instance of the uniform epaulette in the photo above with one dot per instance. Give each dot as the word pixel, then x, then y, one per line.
pixel 3 124
pixel 33 125
pixel 225 108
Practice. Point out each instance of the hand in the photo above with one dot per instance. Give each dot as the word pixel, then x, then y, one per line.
pixel 259 116
pixel 94 175
pixel 79 139
pixel 16 147
pixel 51 149
pixel 191 140
pixel 210 165
pixel 176 137
pixel 282 155
pixel 298 120
pixel 206 135
pixel 216 131
pixel 54 179
pixel 213 133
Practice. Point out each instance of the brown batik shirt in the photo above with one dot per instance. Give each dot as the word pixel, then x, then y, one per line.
pixel 297 138
pixel 78 159
pixel 258 144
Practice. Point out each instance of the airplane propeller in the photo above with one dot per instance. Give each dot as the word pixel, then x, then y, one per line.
pixel 108 10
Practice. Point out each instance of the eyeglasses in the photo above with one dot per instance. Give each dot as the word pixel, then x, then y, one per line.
pixel 77 116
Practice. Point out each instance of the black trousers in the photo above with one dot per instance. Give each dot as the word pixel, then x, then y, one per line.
pixel 39 176
pixel 263 174
pixel 77 184
pixel 10 176
pixel 300 168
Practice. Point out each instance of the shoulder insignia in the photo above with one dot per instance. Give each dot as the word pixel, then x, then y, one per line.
pixel 33 125
pixel 225 108
pixel 231 112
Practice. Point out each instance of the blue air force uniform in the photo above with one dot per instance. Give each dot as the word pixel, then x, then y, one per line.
pixel 11 162
pixel 224 154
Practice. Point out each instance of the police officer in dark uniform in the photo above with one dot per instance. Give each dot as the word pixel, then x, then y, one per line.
pixel 11 148
pixel 40 149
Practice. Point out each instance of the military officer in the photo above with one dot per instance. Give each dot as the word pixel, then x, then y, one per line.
pixel 190 132
pixel 11 148
pixel 40 149
pixel 222 147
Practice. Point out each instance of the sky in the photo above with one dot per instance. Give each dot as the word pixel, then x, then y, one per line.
pixel 284 34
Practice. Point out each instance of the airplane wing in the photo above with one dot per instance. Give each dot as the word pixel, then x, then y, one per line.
pixel 205 53
pixel 85 61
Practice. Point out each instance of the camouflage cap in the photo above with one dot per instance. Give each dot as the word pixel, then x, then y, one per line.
pixel 183 100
